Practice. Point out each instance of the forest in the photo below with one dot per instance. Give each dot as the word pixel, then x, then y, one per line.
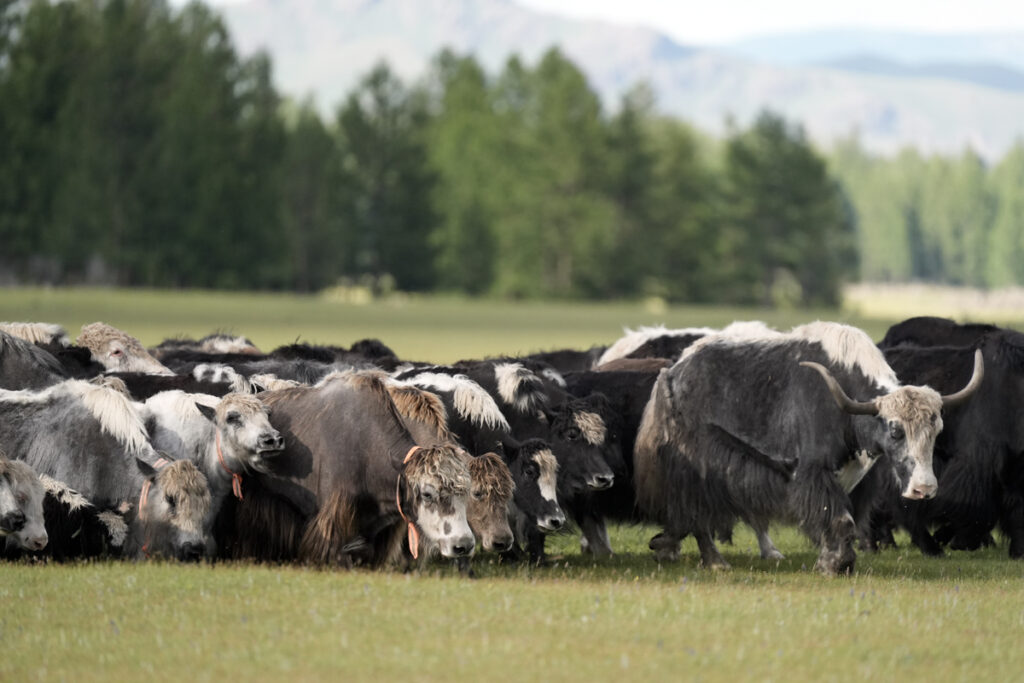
pixel 139 148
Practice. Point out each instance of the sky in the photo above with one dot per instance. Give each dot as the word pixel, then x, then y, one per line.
pixel 716 22
pixel 711 22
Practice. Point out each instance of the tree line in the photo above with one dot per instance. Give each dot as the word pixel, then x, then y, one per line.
pixel 138 148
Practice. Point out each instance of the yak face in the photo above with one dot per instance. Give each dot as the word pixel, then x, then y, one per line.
pixel 21 506
pixel 246 435
pixel 172 510
pixel 908 422
pixel 578 438
pixel 490 495
pixel 535 472
pixel 436 485
pixel 118 351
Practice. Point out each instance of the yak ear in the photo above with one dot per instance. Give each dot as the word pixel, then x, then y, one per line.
pixel 208 412
pixel 148 471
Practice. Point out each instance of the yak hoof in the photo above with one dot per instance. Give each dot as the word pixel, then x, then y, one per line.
pixel 716 565
pixel 773 554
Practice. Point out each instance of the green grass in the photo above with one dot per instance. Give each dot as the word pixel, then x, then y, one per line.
pixel 428 328
pixel 902 616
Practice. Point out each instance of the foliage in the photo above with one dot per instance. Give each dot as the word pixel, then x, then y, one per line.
pixel 138 148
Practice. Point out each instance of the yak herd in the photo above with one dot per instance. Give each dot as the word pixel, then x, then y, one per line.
pixel 326 455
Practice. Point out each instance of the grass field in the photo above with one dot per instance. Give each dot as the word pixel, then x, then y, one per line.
pixel 902 616
pixel 427 328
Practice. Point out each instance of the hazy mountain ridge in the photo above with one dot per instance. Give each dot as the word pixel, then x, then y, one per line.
pixel 324 46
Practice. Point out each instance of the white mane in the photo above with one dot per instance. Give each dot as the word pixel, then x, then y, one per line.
pixel 850 347
pixel 116 413
pixel 472 402
pixel 63 493
pixel 634 339
pixel 37 333
pixel 511 377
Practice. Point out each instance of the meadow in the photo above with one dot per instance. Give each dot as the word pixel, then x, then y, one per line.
pixel 901 616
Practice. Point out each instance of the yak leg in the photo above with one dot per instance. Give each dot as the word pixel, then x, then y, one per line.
pixel 764 542
pixel 710 558
pixel 665 546
pixel 595 536
pixel 922 538
pixel 837 554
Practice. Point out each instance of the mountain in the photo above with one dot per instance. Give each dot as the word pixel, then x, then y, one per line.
pixel 987 75
pixel 323 47
pixel 815 47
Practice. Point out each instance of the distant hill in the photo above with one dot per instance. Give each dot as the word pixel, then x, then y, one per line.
pixel 323 46
pixel 987 75
pixel 815 47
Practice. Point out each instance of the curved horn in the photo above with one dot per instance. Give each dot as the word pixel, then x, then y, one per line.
pixel 844 401
pixel 953 400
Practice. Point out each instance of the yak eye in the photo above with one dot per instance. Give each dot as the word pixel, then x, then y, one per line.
pixel 170 502
pixel 234 419
pixel 478 495
pixel 531 471
pixel 896 432
pixel 21 498
pixel 934 417
pixel 427 495
pixel 572 433
pixel 116 352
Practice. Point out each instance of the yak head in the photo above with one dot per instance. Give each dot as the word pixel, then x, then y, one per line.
pixel 21 505
pixel 172 508
pixel 433 492
pixel 907 421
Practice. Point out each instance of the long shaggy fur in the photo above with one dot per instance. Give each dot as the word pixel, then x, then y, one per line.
pixel 37 333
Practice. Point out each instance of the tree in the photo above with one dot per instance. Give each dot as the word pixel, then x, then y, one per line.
pixel 463 147
pixel 787 235
pixel 388 226
pixel 1006 241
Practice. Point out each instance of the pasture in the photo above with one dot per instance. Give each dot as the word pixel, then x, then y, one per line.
pixel 900 616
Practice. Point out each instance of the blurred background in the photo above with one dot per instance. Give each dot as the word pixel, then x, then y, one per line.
pixel 750 153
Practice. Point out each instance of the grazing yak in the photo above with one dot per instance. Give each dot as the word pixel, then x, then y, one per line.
pixel 350 484
pixel 765 429
pixel 226 438
pixel 476 422
pixel 980 453
pixel 118 351
pixel 93 439
pixel 21 506
pixel 424 415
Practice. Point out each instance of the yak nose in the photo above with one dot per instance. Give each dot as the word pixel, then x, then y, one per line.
pixel 191 552
pixel 600 482
pixel 502 544
pixel 13 521
pixel 463 547
pixel 552 522
pixel 38 543
pixel 923 491
pixel 271 442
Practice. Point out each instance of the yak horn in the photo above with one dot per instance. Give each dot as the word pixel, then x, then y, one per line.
pixel 844 401
pixel 953 400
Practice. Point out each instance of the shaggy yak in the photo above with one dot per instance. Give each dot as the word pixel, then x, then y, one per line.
pixel 487 511
pixel 226 438
pixel 92 439
pixel 350 500
pixel 21 505
pixel 764 430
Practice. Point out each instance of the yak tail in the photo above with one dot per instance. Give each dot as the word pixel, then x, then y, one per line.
pixel 652 441
pixel 263 527
pixel 332 536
